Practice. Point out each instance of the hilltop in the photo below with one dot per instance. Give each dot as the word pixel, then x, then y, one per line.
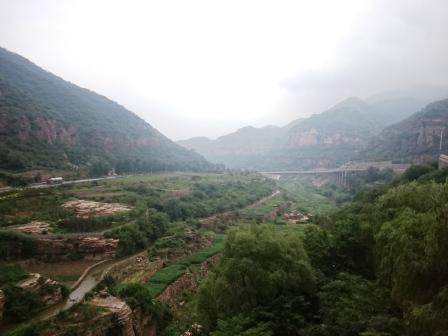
pixel 49 123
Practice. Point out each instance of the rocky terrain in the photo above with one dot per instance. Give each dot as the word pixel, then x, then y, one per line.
pixel 417 138
pixel 103 315
pixel 86 247
pixel 85 209
pixel 50 292
pixel 50 248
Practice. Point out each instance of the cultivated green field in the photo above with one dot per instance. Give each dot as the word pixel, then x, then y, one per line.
pixel 171 273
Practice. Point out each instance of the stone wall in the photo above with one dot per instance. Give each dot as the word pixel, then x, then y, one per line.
pixel 187 281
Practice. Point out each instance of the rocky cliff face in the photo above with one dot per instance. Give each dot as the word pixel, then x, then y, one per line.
pixel 313 137
pixel 414 139
pixel 123 316
pixel 104 315
pixel 48 247
pixel 88 247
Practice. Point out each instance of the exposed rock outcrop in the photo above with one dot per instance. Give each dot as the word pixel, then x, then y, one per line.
pixel 87 209
pixel 421 137
pixel 49 291
pixel 104 315
pixel 35 228
pixel 123 316
pixel 87 247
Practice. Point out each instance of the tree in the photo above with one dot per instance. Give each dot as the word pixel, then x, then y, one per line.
pixel 351 305
pixel 241 326
pixel 264 275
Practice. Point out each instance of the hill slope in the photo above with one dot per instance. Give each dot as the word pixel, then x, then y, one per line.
pixel 240 149
pixel 415 138
pixel 48 122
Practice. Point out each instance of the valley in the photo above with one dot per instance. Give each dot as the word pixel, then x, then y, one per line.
pixel 333 224
pixel 168 251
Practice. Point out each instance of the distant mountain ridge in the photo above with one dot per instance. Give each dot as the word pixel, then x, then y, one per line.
pixel 321 140
pixel 48 122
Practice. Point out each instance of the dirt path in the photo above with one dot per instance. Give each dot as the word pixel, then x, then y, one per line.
pixel 204 221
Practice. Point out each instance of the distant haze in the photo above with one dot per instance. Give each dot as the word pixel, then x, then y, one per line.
pixel 205 68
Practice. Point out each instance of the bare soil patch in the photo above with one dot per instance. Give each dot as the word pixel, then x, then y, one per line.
pixel 35 228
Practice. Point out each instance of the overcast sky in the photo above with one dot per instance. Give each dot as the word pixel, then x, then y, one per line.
pixel 206 68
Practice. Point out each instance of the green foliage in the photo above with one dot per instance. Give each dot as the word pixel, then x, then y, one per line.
pixel 241 326
pixel 262 272
pixel 137 296
pixel 351 305
pixel 398 234
pixel 307 197
pixel 411 242
pixel 10 274
pixel 33 329
pixel 141 233
pixel 13 180
pixel 430 319
pixel 13 244
pixel 90 224
pixel 318 245
pixel 169 274
pixel 207 198
pixel 55 124
pixel 20 305
pixel 21 207
pixel 416 171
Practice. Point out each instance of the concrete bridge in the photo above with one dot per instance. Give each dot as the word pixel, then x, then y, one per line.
pixel 343 170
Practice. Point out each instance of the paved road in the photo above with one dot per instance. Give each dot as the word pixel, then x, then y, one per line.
pixel 45 185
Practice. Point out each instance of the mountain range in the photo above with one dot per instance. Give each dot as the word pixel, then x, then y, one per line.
pixel 46 122
pixel 49 123
pixel 344 132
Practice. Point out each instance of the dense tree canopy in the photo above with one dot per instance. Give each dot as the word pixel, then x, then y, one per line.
pixel 263 275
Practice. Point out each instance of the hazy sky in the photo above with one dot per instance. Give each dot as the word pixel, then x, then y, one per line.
pixel 208 67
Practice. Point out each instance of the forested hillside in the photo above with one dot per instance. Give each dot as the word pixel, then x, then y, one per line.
pixel 417 138
pixel 50 123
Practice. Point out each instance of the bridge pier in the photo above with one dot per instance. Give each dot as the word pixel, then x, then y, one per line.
pixel 342 178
